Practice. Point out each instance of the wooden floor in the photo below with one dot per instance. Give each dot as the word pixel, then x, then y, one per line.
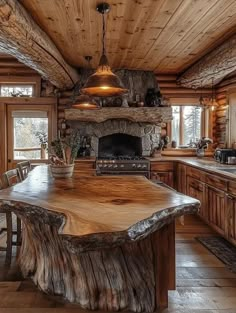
pixel 204 285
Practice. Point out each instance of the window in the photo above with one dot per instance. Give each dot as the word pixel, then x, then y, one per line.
pixel 30 134
pixel 17 90
pixel 186 124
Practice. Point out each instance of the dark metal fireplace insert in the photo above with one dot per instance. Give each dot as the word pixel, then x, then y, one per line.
pixel 117 145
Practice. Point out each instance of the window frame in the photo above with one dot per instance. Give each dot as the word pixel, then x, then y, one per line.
pixel 33 81
pixel 52 131
pixel 204 121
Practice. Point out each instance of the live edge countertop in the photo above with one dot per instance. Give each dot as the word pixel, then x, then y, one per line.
pixel 106 242
pixel 125 207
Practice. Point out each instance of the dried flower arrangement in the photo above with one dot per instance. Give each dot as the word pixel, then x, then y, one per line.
pixel 64 150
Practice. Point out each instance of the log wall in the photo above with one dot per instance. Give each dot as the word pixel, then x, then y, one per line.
pixel 221 122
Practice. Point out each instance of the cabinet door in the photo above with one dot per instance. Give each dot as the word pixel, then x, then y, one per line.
pixel 231 218
pixel 215 204
pixel 181 178
pixel 165 177
pixel 196 189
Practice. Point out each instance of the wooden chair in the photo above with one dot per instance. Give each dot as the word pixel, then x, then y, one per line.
pixel 10 178
pixel 24 168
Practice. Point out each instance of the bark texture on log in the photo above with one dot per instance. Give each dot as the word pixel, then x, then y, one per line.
pixel 212 67
pixel 134 276
pixel 121 278
pixel 21 37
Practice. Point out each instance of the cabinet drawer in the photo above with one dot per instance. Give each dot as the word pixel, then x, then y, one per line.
pixel 193 172
pixel 162 166
pixel 195 184
pixel 216 182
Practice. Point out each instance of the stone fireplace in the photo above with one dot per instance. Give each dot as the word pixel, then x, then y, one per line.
pixel 142 137
pixel 135 131
pixel 123 129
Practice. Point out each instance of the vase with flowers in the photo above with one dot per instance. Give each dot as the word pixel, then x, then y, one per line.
pixel 63 154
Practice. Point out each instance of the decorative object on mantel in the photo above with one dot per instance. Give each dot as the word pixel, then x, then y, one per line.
pixel 65 151
pixel 152 98
pixel 103 83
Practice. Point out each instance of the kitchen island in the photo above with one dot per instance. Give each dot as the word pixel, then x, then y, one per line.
pixel 105 243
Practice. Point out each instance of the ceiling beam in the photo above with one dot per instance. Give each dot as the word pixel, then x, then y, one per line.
pixel 212 68
pixel 22 38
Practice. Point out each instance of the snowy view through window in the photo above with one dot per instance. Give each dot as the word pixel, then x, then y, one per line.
pixel 16 91
pixel 186 124
pixel 28 136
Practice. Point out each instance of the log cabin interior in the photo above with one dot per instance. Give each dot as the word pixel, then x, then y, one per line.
pixel 117 156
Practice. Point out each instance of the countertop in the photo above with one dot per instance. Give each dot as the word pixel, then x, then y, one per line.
pixel 206 164
pixel 123 206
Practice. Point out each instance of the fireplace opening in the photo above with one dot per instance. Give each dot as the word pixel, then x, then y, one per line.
pixel 119 145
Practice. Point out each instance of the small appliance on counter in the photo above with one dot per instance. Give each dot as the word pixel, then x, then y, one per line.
pixel 225 156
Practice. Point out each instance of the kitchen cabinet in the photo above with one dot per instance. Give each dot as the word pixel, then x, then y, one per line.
pixel 196 189
pixel 216 192
pixel 181 178
pixel 163 171
pixel 230 220
pixel 215 206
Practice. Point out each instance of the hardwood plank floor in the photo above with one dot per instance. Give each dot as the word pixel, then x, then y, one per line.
pixel 204 284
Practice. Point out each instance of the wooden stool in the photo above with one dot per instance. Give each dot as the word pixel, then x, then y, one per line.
pixel 24 168
pixel 9 179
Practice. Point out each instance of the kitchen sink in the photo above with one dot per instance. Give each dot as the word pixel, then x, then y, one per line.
pixel 228 170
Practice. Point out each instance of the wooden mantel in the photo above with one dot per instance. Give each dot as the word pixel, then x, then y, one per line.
pixel 105 243
pixel 155 115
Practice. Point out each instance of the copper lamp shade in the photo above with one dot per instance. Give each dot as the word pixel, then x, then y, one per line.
pixel 84 102
pixel 104 83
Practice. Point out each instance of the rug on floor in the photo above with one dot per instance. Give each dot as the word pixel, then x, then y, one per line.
pixel 222 249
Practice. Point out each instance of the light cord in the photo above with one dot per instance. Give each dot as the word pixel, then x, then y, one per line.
pixel 103 33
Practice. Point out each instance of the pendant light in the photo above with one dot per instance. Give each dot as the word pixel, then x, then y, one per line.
pixel 103 83
pixel 84 102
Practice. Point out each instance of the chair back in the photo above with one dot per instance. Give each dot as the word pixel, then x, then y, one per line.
pixel 11 177
pixel 24 168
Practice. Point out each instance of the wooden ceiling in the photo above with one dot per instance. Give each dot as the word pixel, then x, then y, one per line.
pixel 166 36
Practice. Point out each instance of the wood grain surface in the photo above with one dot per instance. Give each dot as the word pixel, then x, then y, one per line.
pixel 164 36
pixel 68 226
pixel 96 205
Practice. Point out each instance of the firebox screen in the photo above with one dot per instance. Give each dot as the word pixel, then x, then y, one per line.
pixel 119 145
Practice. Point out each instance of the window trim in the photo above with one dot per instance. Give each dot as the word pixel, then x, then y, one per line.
pixel 33 81
pixel 181 122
